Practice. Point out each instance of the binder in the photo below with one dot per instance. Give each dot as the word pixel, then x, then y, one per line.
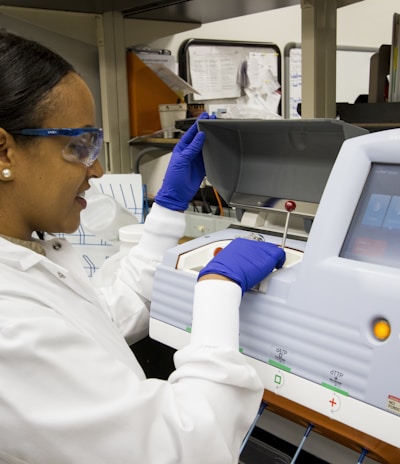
pixel 394 83
pixel 379 69
pixel 145 92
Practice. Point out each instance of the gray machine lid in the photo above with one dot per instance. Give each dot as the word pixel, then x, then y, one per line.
pixel 254 164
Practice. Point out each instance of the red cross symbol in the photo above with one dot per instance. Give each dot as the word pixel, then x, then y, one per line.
pixel 333 402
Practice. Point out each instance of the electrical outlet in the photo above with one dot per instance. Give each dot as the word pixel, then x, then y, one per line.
pixel 199 224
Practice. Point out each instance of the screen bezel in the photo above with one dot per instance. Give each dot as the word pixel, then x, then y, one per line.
pixel 374 229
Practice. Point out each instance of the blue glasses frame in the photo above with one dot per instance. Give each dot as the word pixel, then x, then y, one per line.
pixel 84 146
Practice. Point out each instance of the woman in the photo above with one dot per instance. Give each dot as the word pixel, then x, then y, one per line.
pixel 71 391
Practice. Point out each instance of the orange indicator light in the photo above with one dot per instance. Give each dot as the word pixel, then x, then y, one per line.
pixel 381 329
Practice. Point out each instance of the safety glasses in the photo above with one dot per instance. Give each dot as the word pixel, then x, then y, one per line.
pixel 84 143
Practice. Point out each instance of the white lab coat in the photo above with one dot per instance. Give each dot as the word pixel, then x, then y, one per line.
pixel 72 392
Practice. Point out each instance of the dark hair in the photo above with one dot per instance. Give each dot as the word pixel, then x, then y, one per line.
pixel 29 71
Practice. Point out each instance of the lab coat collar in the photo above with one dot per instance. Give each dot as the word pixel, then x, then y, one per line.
pixel 57 250
pixel 18 256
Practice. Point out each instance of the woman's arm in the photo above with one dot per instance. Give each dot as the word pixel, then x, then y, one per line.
pixel 128 290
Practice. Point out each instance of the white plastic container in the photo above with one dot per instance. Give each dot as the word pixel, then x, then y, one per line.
pixel 104 216
pixel 129 235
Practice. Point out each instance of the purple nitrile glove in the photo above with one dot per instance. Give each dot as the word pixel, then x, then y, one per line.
pixel 185 170
pixel 246 262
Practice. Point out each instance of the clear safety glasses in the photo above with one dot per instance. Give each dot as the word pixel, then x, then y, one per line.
pixel 84 144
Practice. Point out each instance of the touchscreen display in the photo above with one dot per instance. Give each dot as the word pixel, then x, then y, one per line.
pixel 374 233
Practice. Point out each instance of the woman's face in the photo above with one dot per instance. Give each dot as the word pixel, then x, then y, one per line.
pixel 46 191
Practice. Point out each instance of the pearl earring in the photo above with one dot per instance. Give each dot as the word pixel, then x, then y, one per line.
pixel 6 173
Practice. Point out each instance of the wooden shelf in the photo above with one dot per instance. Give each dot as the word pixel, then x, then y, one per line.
pixel 351 438
pixel 155 142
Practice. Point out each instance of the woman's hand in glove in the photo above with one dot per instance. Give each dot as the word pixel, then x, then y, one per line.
pixel 246 262
pixel 185 171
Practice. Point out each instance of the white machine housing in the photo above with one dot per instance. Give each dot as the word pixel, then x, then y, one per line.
pixel 311 329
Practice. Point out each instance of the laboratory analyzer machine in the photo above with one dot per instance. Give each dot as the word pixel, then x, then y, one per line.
pixel 323 331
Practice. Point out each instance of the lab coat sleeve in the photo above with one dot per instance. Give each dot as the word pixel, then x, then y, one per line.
pixel 211 366
pixel 66 399
pixel 127 286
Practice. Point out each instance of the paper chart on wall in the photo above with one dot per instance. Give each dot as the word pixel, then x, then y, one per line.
pixel 352 75
pixel 214 72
